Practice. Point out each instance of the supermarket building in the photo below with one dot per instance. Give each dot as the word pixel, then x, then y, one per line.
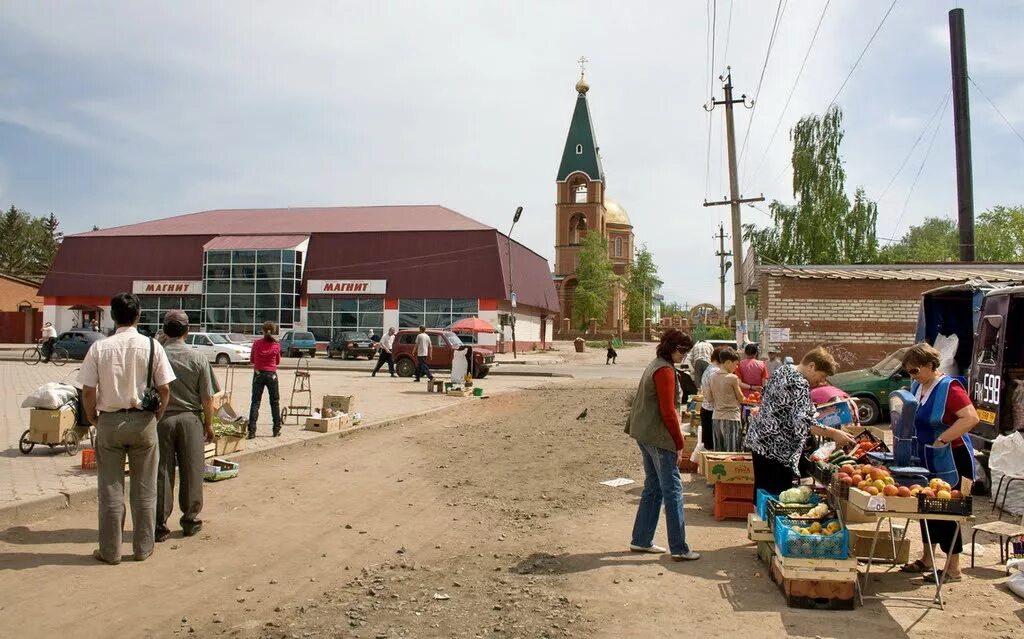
pixel 326 270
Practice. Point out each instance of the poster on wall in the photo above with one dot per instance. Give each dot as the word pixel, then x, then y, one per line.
pixel 776 335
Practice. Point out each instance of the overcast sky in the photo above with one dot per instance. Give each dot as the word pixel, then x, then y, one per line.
pixel 118 112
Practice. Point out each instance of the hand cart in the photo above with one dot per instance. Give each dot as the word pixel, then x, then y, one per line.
pixel 301 389
pixel 226 411
pixel 73 437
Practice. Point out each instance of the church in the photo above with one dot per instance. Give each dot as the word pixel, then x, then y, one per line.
pixel 582 207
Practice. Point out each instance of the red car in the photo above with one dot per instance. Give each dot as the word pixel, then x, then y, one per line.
pixel 444 345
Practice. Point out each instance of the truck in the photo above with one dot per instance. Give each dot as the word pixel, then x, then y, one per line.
pixel 988 321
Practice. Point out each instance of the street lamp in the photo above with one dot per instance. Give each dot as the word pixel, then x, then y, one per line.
pixel 511 286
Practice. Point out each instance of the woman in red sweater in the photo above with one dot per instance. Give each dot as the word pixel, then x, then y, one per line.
pixel 654 423
pixel 266 355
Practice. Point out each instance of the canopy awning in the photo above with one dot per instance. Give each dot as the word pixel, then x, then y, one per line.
pixel 84 307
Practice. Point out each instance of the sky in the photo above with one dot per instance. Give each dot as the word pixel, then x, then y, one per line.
pixel 113 113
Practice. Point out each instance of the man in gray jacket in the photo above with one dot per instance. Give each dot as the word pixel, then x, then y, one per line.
pixel 186 426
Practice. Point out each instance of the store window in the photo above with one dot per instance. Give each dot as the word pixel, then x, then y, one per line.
pixel 154 307
pixel 434 313
pixel 328 317
pixel 244 288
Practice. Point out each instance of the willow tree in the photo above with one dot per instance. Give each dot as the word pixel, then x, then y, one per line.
pixel 821 227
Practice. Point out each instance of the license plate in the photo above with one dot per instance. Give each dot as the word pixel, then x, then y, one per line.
pixel 987 416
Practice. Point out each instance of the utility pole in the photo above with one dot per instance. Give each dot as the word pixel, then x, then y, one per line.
pixel 511 286
pixel 723 267
pixel 962 134
pixel 734 202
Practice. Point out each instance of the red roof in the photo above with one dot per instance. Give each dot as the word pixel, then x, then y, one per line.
pixel 332 219
pixel 242 242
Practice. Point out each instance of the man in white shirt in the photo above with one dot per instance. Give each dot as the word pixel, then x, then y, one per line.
pixel 384 346
pixel 49 336
pixel 423 348
pixel 114 377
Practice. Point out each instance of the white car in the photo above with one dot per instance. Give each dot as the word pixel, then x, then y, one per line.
pixel 218 349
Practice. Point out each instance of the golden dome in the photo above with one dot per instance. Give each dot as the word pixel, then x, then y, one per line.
pixel 581 85
pixel 614 213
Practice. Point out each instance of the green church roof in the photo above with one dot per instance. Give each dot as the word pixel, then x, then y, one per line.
pixel 581 133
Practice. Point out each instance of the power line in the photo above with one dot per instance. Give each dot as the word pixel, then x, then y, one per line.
pixel 924 160
pixel 941 106
pixel 984 95
pixel 728 33
pixel 792 89
pixel 779 10
pixel 711 79
pixel 861 56
pixel 714 32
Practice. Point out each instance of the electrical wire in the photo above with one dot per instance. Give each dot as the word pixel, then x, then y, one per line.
pixel 861 56
pixel 984 95
pixel 928 124
pixel 780 9
pixel 792 90
pixel 728 33
pixel 711 91
pixel 924 161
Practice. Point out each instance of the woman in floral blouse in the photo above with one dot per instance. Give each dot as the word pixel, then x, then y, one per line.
pixel 777 434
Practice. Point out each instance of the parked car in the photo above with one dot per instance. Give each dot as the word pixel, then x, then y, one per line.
pixel 872 386
pixel 77 342
pixel 293 343
pixel 218 349
pixel 444 345
pixel 238 338
pixel 350 345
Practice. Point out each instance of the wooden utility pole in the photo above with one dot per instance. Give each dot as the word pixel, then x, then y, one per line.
pixel 734 202
pixel 962 134
pixel 723 266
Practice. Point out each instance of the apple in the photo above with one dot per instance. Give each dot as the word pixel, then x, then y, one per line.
pixel 848 469
pixel 871 490
pixel 915 491
pixel 944 494
pixel 890 490
pixel 847 480
pixel 956 494
pixel 857 479
pixel 916 487
pixel 862 485
pixel 903 491
pixel 928 492
pixel 879 484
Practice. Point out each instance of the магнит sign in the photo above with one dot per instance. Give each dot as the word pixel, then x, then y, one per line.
pixel 346 287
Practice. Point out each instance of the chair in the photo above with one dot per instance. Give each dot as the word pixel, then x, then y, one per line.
pixel 1003 529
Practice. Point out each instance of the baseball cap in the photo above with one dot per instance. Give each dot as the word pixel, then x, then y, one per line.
pixel 176 317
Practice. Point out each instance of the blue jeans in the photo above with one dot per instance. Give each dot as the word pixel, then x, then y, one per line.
pixel 661 483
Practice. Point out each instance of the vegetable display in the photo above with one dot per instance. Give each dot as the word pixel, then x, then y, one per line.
pixel 801 495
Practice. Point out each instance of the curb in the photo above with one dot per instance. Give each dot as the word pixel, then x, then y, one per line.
pixel 20 514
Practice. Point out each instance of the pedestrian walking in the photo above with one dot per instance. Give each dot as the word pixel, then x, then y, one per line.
pixel 186 425
pixel 125 390
pixel 49 338
pixel 654 423
pixel 726 397
pixel 611 355
pixel 384 353
pixel 265 357
pixel 423 350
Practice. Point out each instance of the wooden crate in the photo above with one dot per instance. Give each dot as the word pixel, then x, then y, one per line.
pixel 758 529
pixel 766 552
pixel 824 586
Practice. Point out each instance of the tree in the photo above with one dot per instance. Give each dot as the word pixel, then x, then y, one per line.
pixel 934 240
pixel 29 244
pixel 999 234
pixel 671 309
pixel 593 280
pixel 49 239
pixel 822 227
pixel 640 284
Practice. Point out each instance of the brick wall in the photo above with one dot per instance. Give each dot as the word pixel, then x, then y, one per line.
pixel 13 294
pixel 859 321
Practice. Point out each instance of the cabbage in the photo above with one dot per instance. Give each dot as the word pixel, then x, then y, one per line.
pixel 801 495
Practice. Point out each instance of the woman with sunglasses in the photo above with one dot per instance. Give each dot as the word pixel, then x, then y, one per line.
pixel 776 435
pixel 654 423
pixel 945 417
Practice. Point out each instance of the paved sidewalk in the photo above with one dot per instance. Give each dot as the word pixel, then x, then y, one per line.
pixel 46 473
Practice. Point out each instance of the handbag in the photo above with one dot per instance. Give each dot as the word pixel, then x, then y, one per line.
pixel 150 400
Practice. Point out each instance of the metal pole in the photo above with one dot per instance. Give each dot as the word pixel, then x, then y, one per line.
pixel 962 134
pixel 734 196
pixel 511 286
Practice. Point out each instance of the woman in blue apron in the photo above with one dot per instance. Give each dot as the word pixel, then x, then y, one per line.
pixel 945 417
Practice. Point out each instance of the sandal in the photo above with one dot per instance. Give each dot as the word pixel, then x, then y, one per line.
pixel 929 578
pixel 917 566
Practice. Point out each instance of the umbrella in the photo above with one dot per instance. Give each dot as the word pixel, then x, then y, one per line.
pixel 472 325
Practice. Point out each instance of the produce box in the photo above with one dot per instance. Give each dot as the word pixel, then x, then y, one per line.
pixel 757 529
pixel 226 444
pixel 791 543
pixel 835 414
pixel 461 392
pixel 854 515
pixel 220 469
pixel 731 468
pixel 338 403
pixel 50 426
pixel 323 424
pixel 856 431
pixel 689 443
pixel 882 503
pixel 860 545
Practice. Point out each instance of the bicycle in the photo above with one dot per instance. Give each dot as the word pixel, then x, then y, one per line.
pixel 34 355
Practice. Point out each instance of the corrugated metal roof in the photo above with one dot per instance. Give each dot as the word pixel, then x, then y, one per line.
pixel 335 219
pixel 901 272
pixel 242 242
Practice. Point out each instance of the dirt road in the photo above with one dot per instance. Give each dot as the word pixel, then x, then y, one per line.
pixel 485 521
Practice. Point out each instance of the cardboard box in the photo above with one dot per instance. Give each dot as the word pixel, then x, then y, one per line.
pixel 857 430
pixel 734 468
pixel 854 515
pixel 689 443
pixel 328 424
pixel 226 445
pixel 881 503
pixel 462 392
pixel 860 545
pixel 338 403
pixel 50 426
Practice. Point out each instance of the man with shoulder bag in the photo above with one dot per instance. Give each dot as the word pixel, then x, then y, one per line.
pixel 125 388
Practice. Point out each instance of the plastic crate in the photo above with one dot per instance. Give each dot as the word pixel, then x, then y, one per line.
pixel 734 491
pixel 790 543
pixel 761 503
pixel 839 489
pixel 961 506
pixel 733 508
pixel 823 472
pixel 778 509
pixel 88 459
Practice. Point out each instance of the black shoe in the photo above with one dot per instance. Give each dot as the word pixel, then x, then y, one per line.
pixel 393 375
pixel 373 374
pixel 277 432
pixel 193 530
pixel 252 435
pixel 417 380
pixel 161 535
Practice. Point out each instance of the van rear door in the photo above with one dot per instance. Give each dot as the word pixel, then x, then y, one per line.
pixel 990 388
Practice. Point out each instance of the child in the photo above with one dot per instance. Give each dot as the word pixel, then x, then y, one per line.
pixel 726 396
pixel 611 354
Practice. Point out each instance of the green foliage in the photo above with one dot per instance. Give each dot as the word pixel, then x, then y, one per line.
pixel 29 244
pixel 822 227
pixel 702 331
pixel 672 309
pixel 998 234
pixel 640 285
pixel 593 280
